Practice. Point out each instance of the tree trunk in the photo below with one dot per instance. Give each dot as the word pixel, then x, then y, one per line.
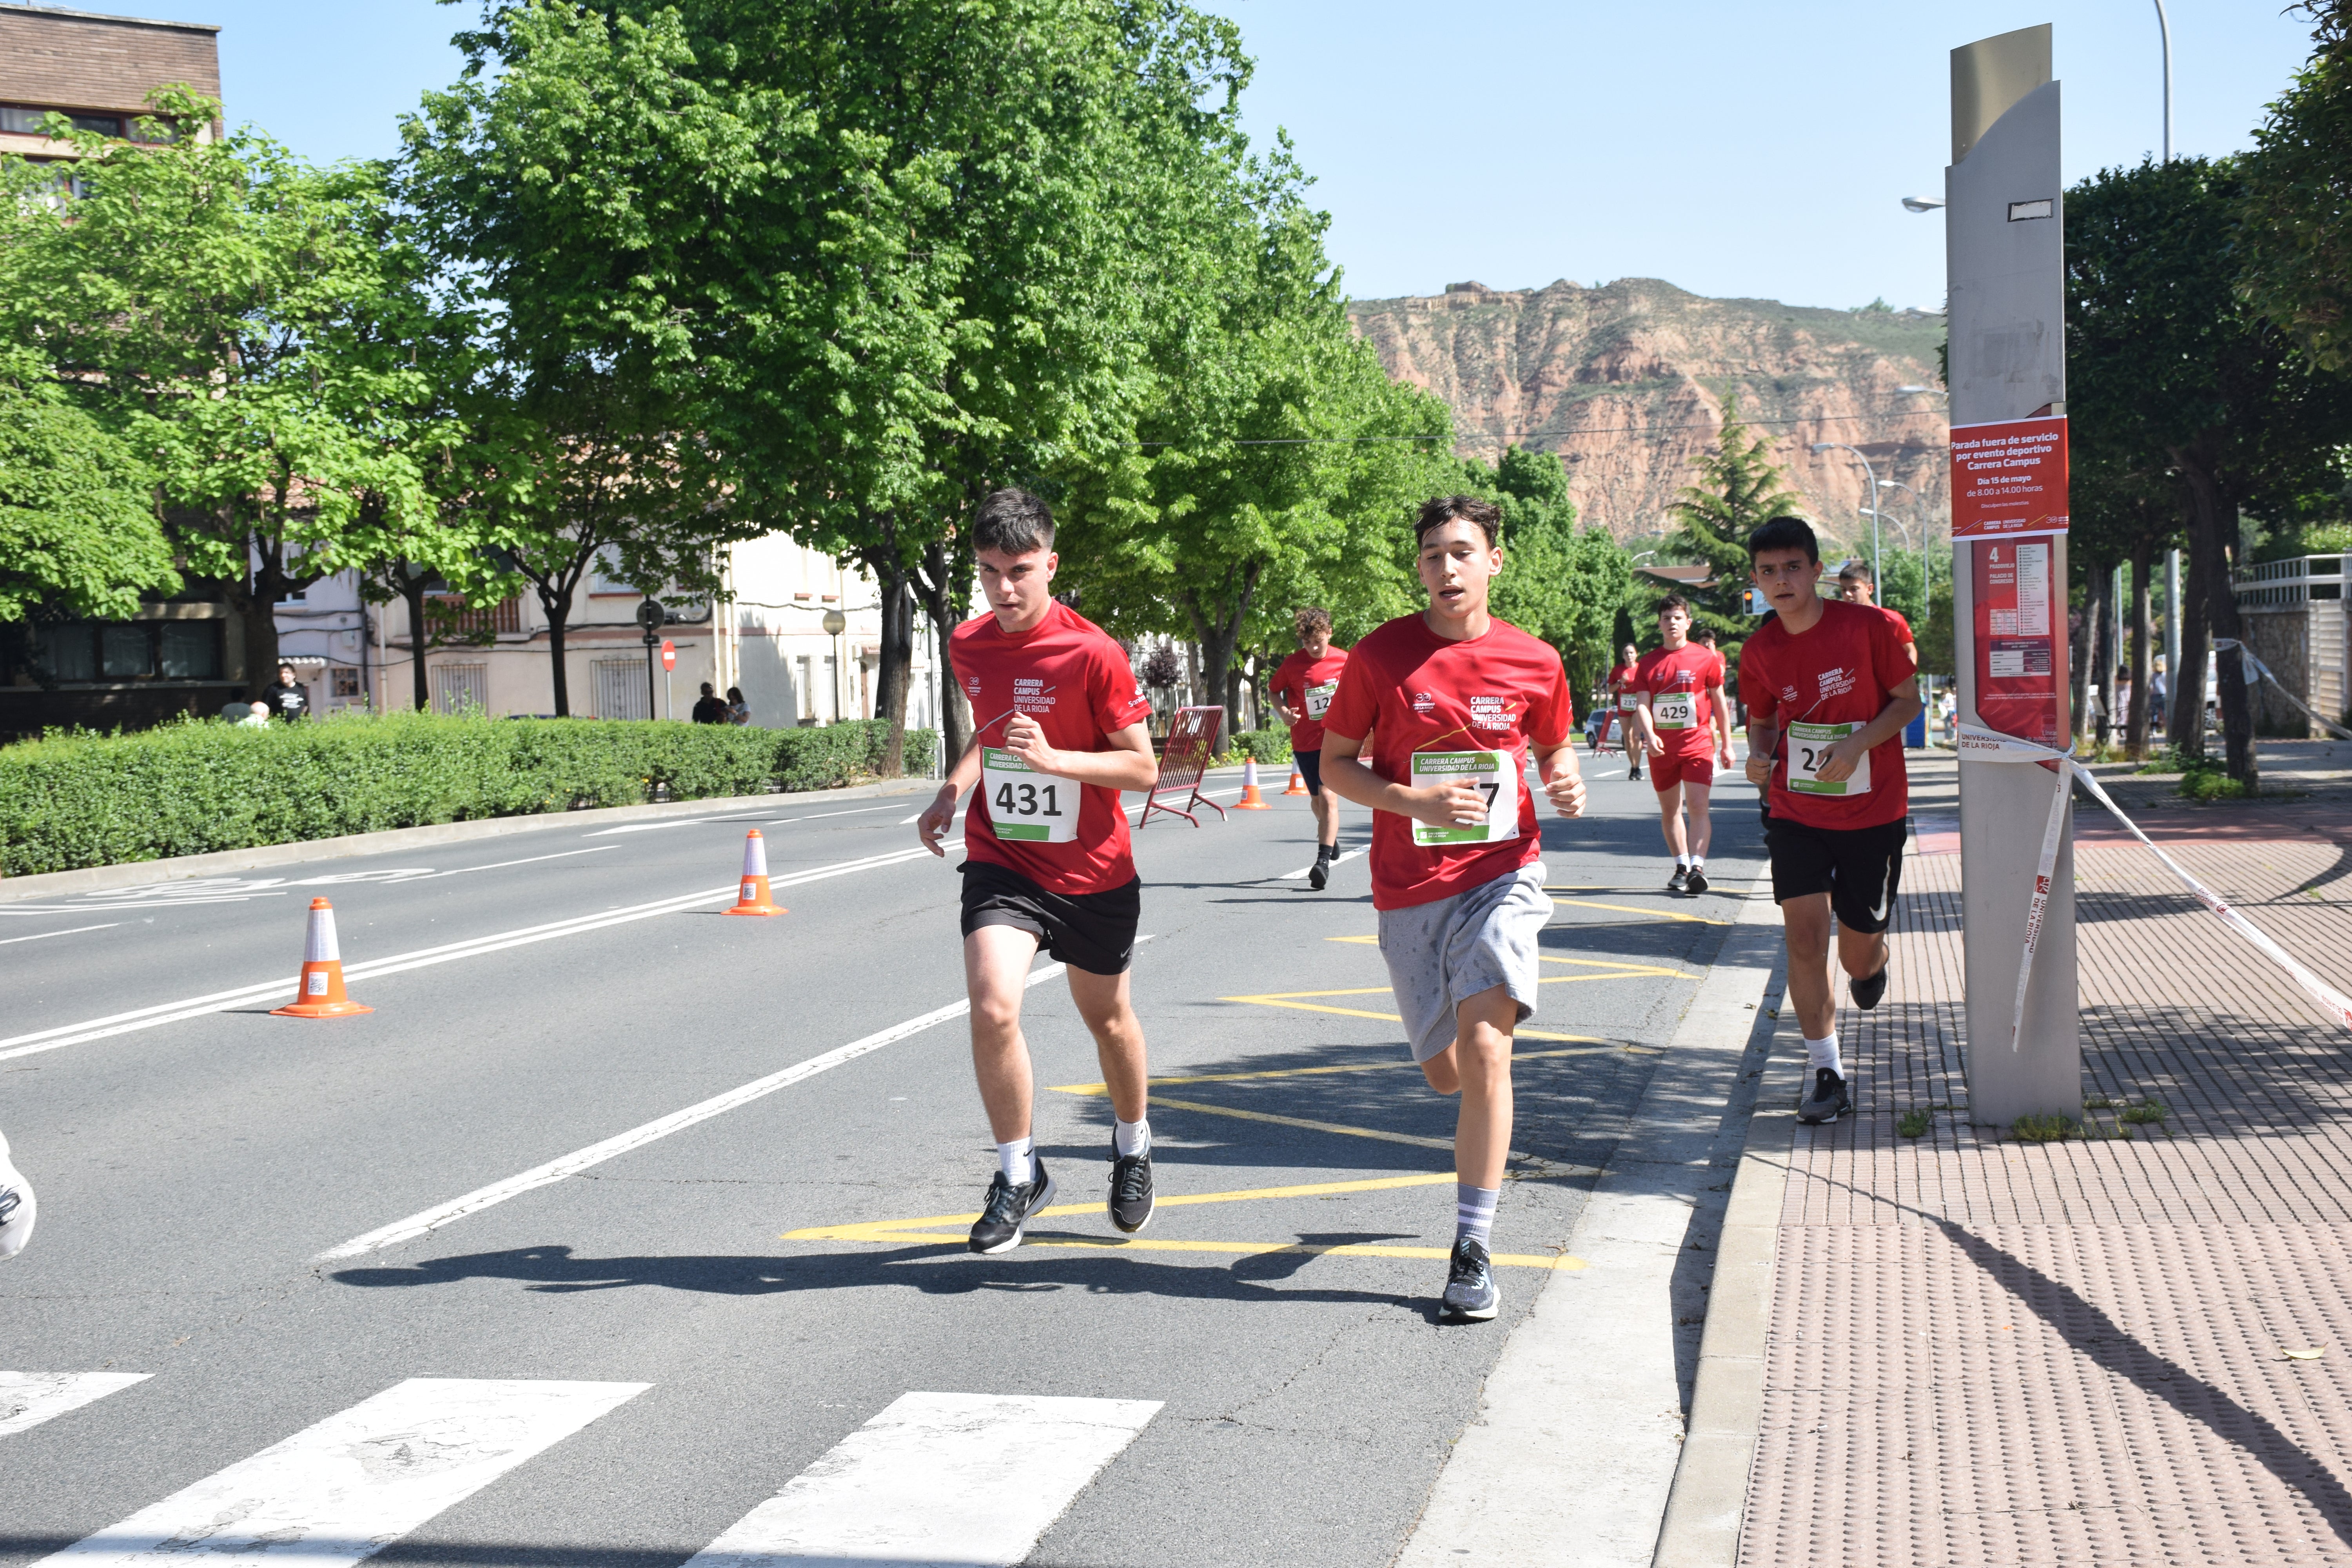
pixel 2087 655
pixel 2185 724
pixel 2143 625
pixel 557 607
pixel 411 594
pixel 2211 524
pixel 893 673
pixel 1219 638
pixel 944 586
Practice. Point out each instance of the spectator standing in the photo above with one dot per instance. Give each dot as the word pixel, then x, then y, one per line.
pixel 285 698
pixel 708 708
pixel 739 712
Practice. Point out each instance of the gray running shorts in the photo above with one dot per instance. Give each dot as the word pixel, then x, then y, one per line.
pixel 1440 953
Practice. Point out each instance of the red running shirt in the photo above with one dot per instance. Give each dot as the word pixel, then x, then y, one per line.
pixel 1681 678
pixel 1295 679
pixel 1412 691
pixel 1068 674
pixel 1840 672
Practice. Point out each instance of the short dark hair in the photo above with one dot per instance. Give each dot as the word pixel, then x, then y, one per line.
pixel 1703 634
pixel 1013 522
pixel 1311 620
pixel 705 688
pixel 1783 533
pixel 1859 571
pixel 1672 602
pixel 1439 510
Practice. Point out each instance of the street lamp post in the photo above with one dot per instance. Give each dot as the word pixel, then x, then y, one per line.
pixel 1819 448
pixel 836 622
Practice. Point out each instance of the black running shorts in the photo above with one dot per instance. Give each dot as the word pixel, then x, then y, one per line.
pixel 1859 868
pixel 1310 768
pixel 1093 931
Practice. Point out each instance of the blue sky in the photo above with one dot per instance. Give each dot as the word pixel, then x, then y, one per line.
pixel 1756 150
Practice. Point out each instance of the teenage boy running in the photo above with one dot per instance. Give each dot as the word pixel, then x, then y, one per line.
pixel 1829 685
pixel 1621 703
pixel 1061 732
pixel 1302 688
pixel 1686 734
pixel 1456 701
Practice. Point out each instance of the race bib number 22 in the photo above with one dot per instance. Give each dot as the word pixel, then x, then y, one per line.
pixel 1492 774
pixel 1026 805
pixel 1809 747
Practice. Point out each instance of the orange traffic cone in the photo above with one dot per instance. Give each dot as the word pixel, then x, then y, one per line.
pixel 319 992
pixel 1251 800
pixel 1297 784
pixel 753 899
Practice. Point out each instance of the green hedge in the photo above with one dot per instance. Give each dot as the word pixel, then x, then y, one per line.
pixel 75 800
pixel 1265 745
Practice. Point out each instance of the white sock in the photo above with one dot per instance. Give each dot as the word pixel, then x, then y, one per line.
pixel 1683 862
pixel 1131 1137
pixel 1822 1054
pixel 1014 1159
pixel 1474 1212
pixel 1697 861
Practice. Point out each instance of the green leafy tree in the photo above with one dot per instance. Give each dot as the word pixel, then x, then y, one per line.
pixel 1738 487
pixel 2296 235
pixel 78 534
pixel 223 307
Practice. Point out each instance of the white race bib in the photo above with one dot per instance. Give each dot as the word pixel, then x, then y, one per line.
pixel 1675 710
pixel 1023 803
pixel 1492 773
pixel 1318 697
pixel 1628 701
pixel 1808 746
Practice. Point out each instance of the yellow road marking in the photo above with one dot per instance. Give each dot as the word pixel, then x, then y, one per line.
pixel 1638 910
pixel 901 1230
pixel 1444 1145
pixel 1284 999
pixel 1317 1072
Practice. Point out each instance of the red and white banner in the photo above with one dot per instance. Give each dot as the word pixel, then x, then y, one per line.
pixel 2009 478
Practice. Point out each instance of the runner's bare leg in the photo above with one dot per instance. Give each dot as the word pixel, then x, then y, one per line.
pixel 1478 1066
pixel 1860 953
pixel 996 962
pixel 1326 805
pixel 1670 820
pixel 1701 831
pixel 1103 1002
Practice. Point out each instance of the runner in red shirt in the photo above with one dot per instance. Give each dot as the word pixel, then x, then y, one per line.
pixel 1457 702
pixel 1061 732
pixel 1857 585
pixel 1829 687
pixel 1687 735
pixel 1621 703
pixel 1302 688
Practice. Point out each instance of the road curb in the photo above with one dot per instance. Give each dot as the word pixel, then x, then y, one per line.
pixel 139 873
pixel 1708 1502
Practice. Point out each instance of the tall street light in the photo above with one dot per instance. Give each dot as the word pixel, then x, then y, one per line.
pixel 1818 448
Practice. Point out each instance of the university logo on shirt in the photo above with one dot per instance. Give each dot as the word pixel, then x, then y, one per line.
pixel 1837 682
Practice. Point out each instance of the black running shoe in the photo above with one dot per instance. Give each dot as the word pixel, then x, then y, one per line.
pixel 1131 1189
pixel 1869 989
pixel 1696 883
pixel 1828 1100
pixel 1680 881
pixel 1470 1293
pixel 1320 874
pixel 998 1229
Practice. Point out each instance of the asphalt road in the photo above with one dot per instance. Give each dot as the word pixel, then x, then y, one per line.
pixel 635 1357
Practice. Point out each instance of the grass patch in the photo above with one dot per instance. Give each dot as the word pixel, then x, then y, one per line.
pixel 2051 1129
pixel 1914 1123
pixel 2147 1113
pixel 2209 782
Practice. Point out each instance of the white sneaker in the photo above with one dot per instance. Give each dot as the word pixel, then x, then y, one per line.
pixel 16 1208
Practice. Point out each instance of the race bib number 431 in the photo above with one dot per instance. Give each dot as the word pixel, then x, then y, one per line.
pixel 1026 804
pixel 1809 747
pixel 1492 774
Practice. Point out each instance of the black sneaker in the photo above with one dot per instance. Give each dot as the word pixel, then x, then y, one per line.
pixel 16 1207
pixel 1869 989
pixel 1696 882
pixel 1320 873
pixel 998 1229
pixel 1470 1293
pixel 1828 1100
pixel 1131 1189
pixel 1680 881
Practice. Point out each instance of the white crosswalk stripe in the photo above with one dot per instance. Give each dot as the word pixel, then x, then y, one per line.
pixel 937 1478
pixel 29 1399
pixel 347 1488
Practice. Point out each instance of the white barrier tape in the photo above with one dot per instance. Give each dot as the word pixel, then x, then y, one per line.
pixel 1985 746
pixel 2257 669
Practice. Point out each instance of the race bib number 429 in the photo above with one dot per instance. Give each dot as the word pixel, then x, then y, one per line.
pixel 1026 804
pixel 1809 747
pixel 1674 710
pixel 1492 774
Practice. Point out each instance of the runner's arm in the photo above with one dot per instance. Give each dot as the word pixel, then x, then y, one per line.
pixel 1903 705
pixel 1441 806
pixel 1650 740
pixel 1126 762
pixel 1763 745
pixel 1720 720
pixel 940 815
pixel 1563 780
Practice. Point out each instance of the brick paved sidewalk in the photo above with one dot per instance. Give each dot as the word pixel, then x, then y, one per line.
pixel 1983 1352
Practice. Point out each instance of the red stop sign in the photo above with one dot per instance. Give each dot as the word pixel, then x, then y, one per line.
pixel 669 654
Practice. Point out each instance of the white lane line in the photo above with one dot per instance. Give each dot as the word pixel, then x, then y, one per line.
pixel 73 931
pixel 1300 875
pixel 671 822
pixel 579 1160
pixel 351 1486
pixel 526 860
pixel 857 811
pixel 904 820
pixel 964 1478
pixel 29 1399
pixel 222 1001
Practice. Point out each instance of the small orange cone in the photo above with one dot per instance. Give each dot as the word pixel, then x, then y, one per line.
pixel 1297 784
pixel 319 992
pixel 1251 800
pixel 753 899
